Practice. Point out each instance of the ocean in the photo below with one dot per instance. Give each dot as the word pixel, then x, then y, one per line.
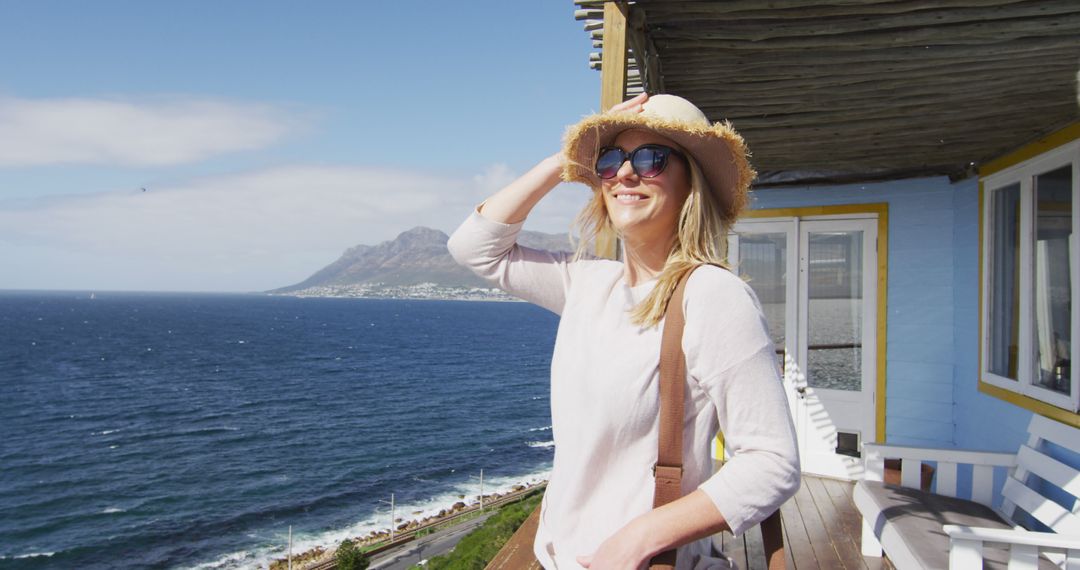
pixel 145 430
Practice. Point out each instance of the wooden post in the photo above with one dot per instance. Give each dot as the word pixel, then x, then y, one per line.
pixel 612 90
pixel 613 62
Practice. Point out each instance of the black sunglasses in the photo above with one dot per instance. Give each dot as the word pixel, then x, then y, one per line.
pixel 647 160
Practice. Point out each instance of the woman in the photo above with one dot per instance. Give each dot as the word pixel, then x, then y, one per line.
pixel 669 185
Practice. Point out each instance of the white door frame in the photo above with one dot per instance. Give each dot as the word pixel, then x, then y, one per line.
pixel 802 397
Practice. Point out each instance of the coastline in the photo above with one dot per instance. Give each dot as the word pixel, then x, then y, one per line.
pixel 314 547
pixel 379 538
pixel 417 292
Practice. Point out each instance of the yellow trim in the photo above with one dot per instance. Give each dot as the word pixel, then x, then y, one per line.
pixel 882 211
pixel 1024 153
pixel 1038 406
pixel 1032 149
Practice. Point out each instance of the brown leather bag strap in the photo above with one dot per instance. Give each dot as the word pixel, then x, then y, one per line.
pixel 668 469
pixel 669 459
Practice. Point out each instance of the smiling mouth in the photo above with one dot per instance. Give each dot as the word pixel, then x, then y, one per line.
pixel 629 197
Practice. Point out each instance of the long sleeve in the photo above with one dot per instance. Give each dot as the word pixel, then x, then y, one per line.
pixel 490 250
pixel 731 356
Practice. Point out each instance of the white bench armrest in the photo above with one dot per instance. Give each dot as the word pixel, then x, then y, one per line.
pixel 1017 536
pixel 912 457
pixel 966 547
pixel 966 456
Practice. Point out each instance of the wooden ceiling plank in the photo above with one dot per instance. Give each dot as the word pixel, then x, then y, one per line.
pixel 807 21
pixel 1032 83
pixel 951 34
pixel 777 9
pixel 691 55
pixel 907 68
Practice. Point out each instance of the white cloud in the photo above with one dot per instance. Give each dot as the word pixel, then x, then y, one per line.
pixel 159 132
pixel 248 231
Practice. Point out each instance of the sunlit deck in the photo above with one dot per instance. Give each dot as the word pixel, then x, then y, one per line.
pixel 821 531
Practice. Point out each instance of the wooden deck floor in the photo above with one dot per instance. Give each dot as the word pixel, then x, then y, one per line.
pixel 821 532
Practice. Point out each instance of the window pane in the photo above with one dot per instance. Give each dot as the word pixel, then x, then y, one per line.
pixel 834 329
pixel 1052 287
pixel 763 263
pixel 1004 276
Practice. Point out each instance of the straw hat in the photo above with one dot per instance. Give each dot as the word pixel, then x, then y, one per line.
pixel 717 148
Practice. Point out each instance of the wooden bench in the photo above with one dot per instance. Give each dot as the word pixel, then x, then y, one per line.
pixel 919 529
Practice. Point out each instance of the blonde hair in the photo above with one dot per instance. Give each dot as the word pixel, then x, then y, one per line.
pixel 701 237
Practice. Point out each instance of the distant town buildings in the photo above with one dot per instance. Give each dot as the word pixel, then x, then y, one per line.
pixel 418 291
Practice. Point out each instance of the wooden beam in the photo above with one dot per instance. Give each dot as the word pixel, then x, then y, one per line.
pixel 613 62
pixel 612 89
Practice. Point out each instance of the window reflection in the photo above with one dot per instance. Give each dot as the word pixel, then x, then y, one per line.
pixel 1004 275
pixel 1052 287
pixel 834 328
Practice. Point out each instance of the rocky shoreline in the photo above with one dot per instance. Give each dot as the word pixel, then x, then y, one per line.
pixel 321 554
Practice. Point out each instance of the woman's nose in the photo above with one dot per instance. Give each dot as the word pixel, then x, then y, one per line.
pixel 625 172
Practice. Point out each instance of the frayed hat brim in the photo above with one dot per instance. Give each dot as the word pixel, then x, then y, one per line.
pixel 719 151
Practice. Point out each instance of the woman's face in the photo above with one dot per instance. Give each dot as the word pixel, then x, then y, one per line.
pixel 646 210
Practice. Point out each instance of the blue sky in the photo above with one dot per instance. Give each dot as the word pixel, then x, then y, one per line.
pixel 270 136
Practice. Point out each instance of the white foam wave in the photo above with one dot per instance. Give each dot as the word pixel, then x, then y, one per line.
pixel 111 510
pixel 544 444
pixel 545 428
pixel 107 432
pixel 241 559
pixel 28 555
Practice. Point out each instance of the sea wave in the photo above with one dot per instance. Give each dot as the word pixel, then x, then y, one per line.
pixel 545 428
pixel 543 444
pixel 29 555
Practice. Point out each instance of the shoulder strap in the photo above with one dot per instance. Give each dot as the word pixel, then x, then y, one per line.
pixel 668 468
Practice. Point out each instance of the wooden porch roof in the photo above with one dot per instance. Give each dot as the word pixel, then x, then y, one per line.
pixel 850 90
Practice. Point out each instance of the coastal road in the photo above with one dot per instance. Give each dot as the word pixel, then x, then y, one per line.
pixel 434 544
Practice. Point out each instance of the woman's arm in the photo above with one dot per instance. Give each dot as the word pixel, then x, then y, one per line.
pixel 486 242
pixel 512 204
pixel 679 522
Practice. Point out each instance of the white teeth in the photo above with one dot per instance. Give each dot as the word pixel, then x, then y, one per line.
pixel 628 197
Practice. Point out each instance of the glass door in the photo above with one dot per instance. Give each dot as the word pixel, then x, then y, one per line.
pixel 816 280
pixel 835 410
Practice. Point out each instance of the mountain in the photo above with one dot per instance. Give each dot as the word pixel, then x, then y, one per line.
pixel 414 257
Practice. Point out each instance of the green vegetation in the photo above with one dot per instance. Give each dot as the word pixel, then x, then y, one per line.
pixel 349 557
pixel 481 545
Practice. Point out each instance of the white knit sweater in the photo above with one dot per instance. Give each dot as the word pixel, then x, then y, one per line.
pixel 605 395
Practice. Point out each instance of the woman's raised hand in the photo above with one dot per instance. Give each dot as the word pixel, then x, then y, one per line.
pixel 633 105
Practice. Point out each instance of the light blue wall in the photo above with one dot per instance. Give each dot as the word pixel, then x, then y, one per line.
pixel 932 351
pixel 982 422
